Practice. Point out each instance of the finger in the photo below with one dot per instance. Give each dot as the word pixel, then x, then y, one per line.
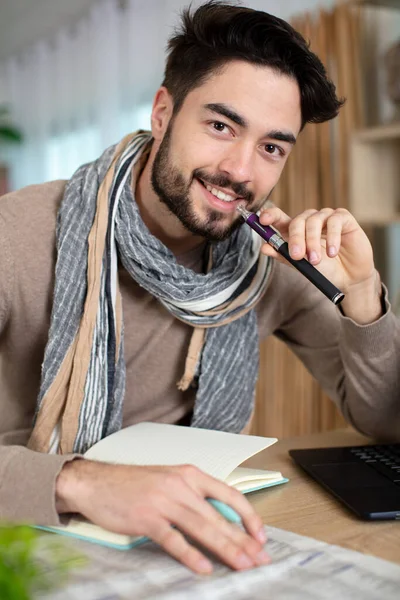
pixel 253 548
pixel 195 517
pixel 191 486
pixel 177 546
pixel 242 539
pixel 314 226
pixel 212 488
pixel 276 217
pixel 211 534
pixel 297 234
pixel 270 251
pixel 334 230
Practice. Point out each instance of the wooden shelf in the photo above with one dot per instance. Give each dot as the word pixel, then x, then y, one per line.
pixel 380 221
pixel 375 175
pixel 377 3
pixel 390 131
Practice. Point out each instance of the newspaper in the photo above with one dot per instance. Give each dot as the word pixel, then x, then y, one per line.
pixel 302 569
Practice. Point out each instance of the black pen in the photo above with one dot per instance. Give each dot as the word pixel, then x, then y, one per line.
pixel 275 240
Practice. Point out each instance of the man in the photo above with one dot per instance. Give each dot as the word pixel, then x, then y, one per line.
pixel 152 228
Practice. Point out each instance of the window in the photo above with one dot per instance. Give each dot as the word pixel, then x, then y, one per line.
pixel 66 152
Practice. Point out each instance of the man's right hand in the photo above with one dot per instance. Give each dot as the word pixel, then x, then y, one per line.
pixel 149 501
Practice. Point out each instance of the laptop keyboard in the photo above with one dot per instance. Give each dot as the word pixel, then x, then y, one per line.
pixel 384 459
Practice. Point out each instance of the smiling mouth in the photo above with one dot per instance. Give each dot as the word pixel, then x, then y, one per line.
pixel 219 193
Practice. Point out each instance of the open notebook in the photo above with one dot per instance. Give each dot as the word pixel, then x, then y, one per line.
pixel 215 452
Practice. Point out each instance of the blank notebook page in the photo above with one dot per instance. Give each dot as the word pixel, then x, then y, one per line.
pixel 215 452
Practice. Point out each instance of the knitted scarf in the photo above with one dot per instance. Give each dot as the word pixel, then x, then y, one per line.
pixel 83 374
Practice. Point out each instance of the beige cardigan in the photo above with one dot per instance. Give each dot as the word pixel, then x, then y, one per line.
pixel 358 366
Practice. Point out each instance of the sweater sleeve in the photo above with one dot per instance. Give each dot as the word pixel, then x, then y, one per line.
pixel 358 366
pixel 6 275
pixel 371 359
pixel 27 484
pixel 27 478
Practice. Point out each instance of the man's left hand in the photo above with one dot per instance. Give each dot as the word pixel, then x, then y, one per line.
pixel 333 241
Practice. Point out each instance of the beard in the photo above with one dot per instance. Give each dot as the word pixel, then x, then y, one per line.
pixel 173 190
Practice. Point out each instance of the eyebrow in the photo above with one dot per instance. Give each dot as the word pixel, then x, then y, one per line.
pixel 229 113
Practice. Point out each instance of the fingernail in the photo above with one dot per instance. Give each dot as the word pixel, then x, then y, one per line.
pixel 313 256
pixel 295 250
pixel 204 566
pixel 331 251
pixel 244 562
pixel 261 536
pixel 263 558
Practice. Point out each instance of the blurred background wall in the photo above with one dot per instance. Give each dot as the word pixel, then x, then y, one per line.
pixel 80 74
pixel 76 76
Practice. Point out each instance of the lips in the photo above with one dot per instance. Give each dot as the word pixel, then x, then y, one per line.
pixel 221 194
pixel 220 201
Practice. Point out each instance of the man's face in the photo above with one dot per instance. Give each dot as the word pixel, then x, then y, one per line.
pixel 227 145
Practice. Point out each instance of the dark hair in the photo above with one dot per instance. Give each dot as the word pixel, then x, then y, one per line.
pixel 217 33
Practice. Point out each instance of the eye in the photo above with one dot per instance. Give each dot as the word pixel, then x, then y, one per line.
pixel 218 126
pixel 274 150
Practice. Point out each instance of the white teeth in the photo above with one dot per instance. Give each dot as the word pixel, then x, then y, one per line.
pixel 219 194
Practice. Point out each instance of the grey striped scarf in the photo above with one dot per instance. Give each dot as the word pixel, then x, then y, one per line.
pixel 82 387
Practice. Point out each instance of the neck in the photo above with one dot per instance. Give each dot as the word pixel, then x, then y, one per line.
pixel 160 221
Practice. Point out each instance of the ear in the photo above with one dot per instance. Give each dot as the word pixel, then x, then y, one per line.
pixel 161 113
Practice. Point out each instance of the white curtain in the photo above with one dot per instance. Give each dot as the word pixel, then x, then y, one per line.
pixel 82 90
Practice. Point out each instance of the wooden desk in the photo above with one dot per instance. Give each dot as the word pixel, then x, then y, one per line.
pixel 304 507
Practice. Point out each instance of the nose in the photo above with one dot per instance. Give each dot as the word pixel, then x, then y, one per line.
pixel 238 162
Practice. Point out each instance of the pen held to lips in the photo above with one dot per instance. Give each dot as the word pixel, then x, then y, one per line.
pixel 274 239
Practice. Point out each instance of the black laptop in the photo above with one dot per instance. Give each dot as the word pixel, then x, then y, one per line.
pixel 365 478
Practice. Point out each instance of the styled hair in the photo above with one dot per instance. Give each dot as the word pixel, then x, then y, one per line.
pixel 217 33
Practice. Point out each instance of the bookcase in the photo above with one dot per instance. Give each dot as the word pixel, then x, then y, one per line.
pixel 289 401
pixel 374 164
pixel 374 194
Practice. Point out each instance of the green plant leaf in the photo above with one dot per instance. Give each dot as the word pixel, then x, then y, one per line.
pixel 32 562
pixel 10 134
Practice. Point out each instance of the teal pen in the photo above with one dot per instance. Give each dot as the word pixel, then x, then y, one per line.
pixel 225 510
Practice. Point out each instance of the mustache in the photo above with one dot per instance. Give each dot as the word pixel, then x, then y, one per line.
pixel 221 180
